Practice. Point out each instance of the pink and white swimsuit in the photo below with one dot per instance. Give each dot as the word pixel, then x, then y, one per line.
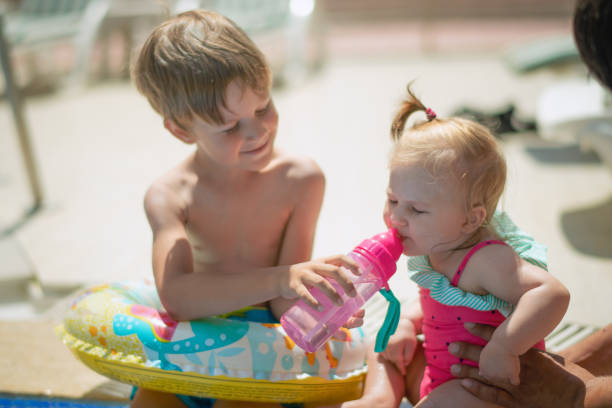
pixel 446 307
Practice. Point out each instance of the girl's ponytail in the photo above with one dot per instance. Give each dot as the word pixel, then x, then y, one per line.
pixel 408 107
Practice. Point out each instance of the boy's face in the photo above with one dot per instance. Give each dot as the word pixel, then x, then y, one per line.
pixel 427 212
pixel 245 139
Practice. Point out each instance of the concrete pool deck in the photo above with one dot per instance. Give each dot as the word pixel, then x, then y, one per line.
pixel 99 149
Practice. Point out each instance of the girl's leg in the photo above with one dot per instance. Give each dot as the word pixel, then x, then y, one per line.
pixel 414 375
pixel 385 385
pixel 452 395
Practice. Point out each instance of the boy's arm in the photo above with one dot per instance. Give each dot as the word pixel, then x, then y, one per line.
pixel 182 292
pixel 299 233
pixel 540 300
pixel 187 295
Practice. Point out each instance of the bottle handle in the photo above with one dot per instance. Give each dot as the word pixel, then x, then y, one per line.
pixel 391 321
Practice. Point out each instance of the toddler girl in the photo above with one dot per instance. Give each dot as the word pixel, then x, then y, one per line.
pixel 471 263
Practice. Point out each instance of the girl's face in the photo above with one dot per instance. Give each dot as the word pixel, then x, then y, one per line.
pixel 428 213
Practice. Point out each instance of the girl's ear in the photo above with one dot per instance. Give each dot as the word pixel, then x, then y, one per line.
pixel 178 132
pixel 474 219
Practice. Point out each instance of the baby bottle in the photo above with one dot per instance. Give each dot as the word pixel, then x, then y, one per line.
pixel 376 256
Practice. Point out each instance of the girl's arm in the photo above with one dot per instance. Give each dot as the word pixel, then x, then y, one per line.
pixel 539 300
pixel 413 313
pixel 403 343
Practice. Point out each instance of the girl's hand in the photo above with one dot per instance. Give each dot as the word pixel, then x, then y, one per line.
pixel 402 345
pixel 300 277
pixel 498 364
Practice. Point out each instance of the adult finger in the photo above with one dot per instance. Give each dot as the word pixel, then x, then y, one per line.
pixel 465 350
pixel 489 393
pixel 484 331
pixel 466 371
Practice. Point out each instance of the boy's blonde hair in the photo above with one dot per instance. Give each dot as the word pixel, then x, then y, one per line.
pixel 457 148
pixel 187 62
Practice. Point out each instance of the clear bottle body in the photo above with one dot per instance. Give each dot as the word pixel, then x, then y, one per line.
pixel 310 328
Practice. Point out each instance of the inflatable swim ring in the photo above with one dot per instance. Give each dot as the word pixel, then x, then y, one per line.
pixel 121 331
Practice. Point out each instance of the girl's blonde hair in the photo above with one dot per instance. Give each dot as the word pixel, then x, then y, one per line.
pixel 457 148
pixel 187 62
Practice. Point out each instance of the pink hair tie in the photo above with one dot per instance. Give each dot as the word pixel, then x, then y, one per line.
pixel 430 114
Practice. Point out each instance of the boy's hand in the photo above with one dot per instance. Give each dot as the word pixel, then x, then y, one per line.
pixel 497 364
pixel 356 320
pixel 402 345
pixel 309 274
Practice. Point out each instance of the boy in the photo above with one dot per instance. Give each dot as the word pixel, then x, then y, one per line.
pixel 233 224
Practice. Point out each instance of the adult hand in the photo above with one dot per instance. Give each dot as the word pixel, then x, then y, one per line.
pixel 546 380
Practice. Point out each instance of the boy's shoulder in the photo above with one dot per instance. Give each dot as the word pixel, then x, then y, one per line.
pixel 169 192
pixel 296 168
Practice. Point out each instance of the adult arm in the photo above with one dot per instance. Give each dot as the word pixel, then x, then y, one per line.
pixel 547 380
pixel 593 353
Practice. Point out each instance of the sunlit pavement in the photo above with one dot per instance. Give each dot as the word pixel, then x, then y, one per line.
pixel 98 149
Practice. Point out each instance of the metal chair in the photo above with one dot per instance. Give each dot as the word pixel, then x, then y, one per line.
pixel 37 25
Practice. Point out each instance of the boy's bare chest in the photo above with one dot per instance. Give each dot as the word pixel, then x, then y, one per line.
pixel 243 228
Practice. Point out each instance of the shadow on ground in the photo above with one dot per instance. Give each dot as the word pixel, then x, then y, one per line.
pixel 589 229
pixel 562 154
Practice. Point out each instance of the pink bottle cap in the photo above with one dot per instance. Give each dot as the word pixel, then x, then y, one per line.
pixel 384 250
